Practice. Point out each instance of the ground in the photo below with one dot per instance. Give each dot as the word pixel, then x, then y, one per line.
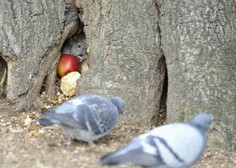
pixel 25 144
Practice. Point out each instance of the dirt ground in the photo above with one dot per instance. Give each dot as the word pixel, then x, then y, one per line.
pixel 25 144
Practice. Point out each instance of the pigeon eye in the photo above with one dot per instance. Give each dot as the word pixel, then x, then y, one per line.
pixel 79 46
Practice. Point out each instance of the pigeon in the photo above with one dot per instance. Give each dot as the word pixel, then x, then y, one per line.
pixel 87 117
pixel 176 145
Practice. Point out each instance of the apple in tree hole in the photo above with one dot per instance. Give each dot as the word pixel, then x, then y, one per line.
pixel 67 63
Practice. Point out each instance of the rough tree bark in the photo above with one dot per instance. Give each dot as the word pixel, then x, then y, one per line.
pixel 124 50
pixel 199 44
pixel 130 43
pixel 32 34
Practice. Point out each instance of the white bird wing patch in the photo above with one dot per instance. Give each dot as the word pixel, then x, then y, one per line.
pixel 177 145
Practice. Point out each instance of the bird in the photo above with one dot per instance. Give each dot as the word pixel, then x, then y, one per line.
pixel 176 145
pixel 87 117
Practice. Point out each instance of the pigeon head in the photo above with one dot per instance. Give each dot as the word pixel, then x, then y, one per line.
pixel 203 121
pixel 119 103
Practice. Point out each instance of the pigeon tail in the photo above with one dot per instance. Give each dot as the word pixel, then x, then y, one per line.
pixel 45 121
pixel 120 156
pixel 109 159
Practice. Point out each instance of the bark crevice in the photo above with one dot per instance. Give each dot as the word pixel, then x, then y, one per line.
pixel 160 116
pixel 3 77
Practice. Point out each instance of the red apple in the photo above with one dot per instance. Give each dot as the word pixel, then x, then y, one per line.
pixel 67 63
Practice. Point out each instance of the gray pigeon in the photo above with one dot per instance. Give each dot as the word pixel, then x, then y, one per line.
pixel 177 145
pixel 87 117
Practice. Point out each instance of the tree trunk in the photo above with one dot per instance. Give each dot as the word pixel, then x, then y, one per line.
pixel 124 50
pixel 199 45
pixel 32 34
pixel 139 50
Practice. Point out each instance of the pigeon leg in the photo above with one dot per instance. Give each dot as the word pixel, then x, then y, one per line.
pixel 69 142
pixel 91 143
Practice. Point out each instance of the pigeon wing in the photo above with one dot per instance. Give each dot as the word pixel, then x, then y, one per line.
pixel 65 117
pixel 142 152
pixel 97 118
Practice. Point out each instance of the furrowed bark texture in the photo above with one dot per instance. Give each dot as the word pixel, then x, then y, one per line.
pixel 199 44
pixel 147 52
pixel 32 33
pixel 123 43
